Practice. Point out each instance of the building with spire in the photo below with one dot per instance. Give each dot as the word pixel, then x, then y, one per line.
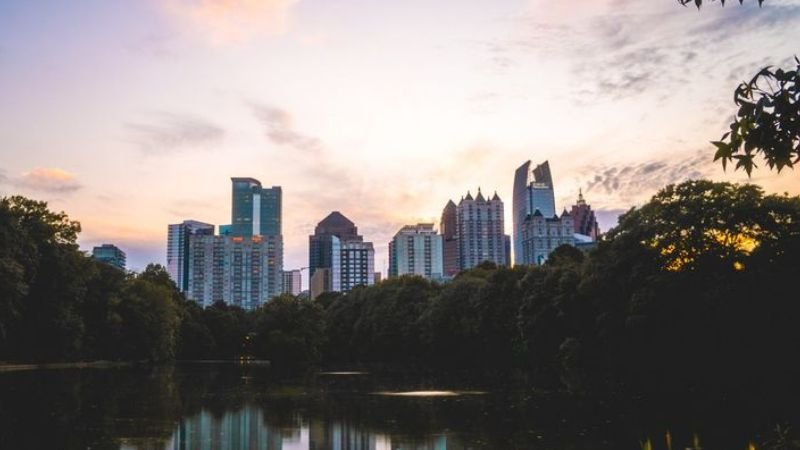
pixel 584 220
pixel 480 231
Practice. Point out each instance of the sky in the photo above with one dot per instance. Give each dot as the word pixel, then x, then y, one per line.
pixel 131 115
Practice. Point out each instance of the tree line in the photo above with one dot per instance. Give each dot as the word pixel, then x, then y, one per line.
pixel 696 289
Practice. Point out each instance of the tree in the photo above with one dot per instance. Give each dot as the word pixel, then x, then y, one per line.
pixel 290 331
pixel 767 122
pixel 150 317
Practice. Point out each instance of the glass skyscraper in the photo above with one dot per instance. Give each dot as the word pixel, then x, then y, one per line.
pixel 533 191
pixel 178 236
pixel 110 254
pixel 255 211
pixel 243 265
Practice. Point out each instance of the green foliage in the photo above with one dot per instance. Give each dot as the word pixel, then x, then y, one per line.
pixel 150 317
pixel 767 122
pixel 290 331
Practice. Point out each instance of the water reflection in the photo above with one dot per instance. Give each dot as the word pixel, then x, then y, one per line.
pixel 229 407
pixel 247 429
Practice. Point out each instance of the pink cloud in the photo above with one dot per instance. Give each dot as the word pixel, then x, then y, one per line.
pixel 231 21
pixel 49 179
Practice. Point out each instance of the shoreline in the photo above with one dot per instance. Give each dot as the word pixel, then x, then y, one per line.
pixel 19 367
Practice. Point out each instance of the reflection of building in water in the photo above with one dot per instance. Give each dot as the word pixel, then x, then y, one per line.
pixel 244 429
pixel 346 436
pixel 339 436
pixel 428 443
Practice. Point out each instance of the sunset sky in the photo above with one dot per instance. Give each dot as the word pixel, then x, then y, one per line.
pixel 130 115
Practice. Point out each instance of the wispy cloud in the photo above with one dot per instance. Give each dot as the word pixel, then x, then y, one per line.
pixel 632 181
pixel 231 21
pixel 49 179
pixel 168 133
pixel 280 129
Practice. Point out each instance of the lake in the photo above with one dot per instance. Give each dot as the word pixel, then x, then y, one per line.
pixel 233 407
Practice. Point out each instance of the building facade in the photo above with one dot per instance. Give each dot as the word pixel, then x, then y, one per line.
pixel 110 254
pixel 541 235
pixel 292 282
pixel 449 229
pixel 584 220
pixel 255 210
pixel 480 231
pixel 337 247
pixel 533 191
pixel 178 249
pixel 417 250
pixel 241 266
pixel 240 271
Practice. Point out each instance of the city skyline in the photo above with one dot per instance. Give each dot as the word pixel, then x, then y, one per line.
pixel 184 95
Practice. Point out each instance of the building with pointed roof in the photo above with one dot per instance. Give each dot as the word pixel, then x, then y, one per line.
pixel 480 231
pixel 540 235
pixel 584 220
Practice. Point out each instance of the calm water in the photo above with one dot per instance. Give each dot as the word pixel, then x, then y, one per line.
pixel 231 407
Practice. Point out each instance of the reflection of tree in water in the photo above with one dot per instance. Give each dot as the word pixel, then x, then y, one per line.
pixel 228 407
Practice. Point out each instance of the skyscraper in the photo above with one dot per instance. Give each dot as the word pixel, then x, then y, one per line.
pixel 240 271
pixel 320 252
pixel 417 250
pixel 449 232
pixel 178 249
pixel 337 246
pixel 242 266
pixel 255 211
pixel 533 191
pixel 584 220
pixel 110 254
pixel 480 236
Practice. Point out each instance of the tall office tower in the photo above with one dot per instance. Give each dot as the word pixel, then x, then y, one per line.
pixel 416 250
pixel 110 254
pixel 533 191
pixel 337 247
pixel 449 231
pixel 240 271
pixel 480 235
pixel 178 249
pixel 255 211
pixel 292 282
pixel 541 235
pixel 320 249
pixel 584 219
